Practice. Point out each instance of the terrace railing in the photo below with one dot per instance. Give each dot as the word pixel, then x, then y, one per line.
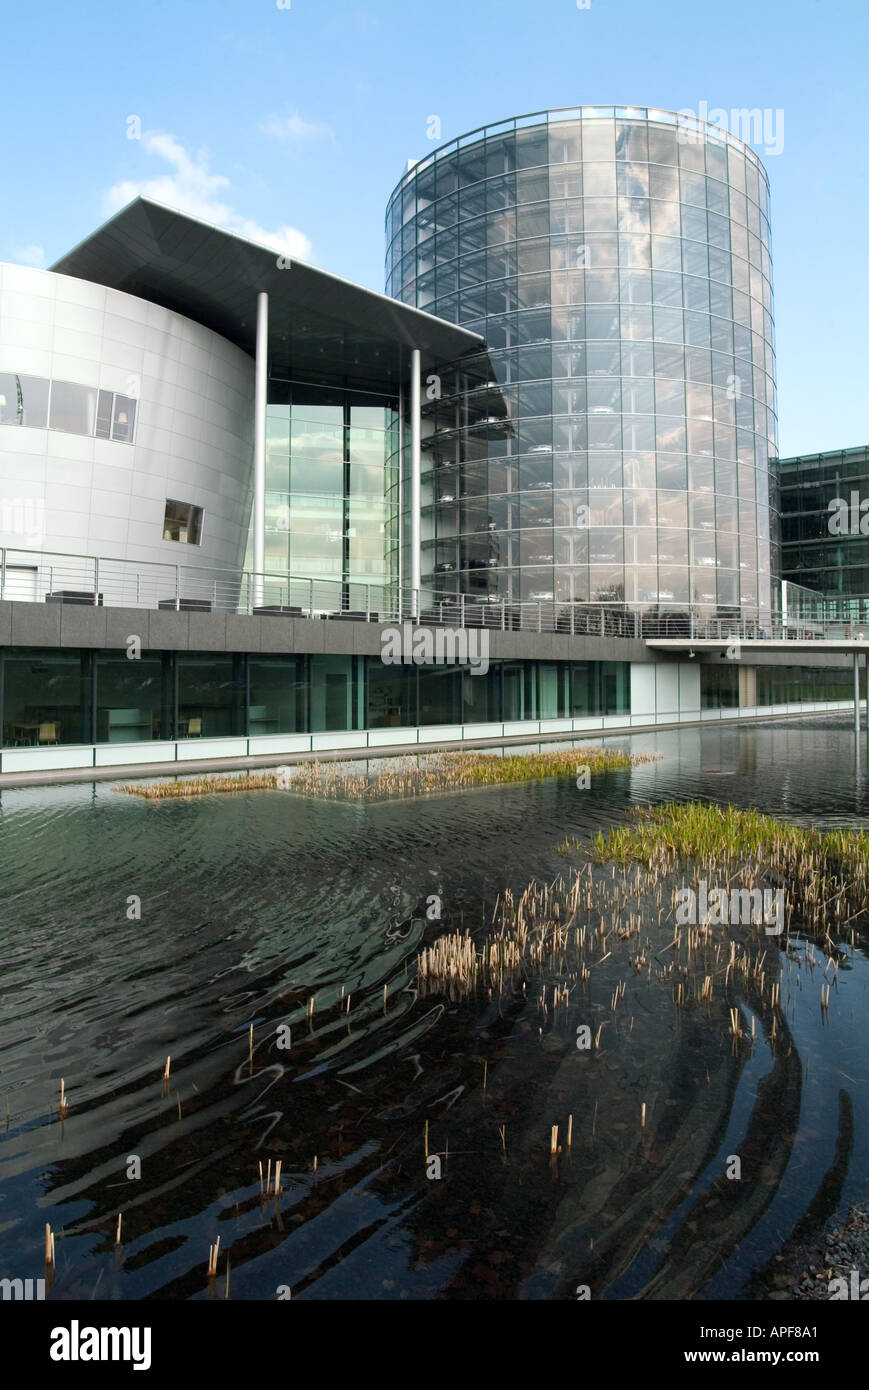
pixel 38 576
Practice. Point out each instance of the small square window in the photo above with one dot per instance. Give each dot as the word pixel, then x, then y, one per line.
pixel 182 522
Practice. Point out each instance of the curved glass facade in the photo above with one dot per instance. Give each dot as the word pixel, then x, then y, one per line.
pixel 615 443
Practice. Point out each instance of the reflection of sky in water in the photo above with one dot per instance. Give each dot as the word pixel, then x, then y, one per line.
pixel 251 905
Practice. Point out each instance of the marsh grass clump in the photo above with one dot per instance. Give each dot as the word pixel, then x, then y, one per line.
pixel 561 932
pixel 179 787
pixel 399 777
pixel 825 873
pixel 621 906
pixel 540 929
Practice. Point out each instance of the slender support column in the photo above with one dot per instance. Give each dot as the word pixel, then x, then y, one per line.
pixel 345 605
pixel 415 485
pixel 866 665
pixel 401 575
pixel 857 694
pixel 259 444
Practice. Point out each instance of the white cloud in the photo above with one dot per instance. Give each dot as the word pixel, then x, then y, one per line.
pixel 292 128
pixel 191 187
pixel 30 255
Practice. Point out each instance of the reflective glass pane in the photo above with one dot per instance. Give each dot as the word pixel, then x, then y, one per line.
pixel 23 400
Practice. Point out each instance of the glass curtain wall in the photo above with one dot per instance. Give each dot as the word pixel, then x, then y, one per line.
pixel 83 696
pixel 825 534
pixel 615 443
pixel 779 685
pixel 332 490
pixel 75 697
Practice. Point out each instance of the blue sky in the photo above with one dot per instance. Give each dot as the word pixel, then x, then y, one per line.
pixel 293 125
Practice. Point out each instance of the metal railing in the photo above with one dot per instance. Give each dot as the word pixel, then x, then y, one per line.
pixel 38 576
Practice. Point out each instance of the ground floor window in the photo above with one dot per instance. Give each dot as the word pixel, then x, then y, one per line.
pixel 599 687
pixel 107 697
pixel 212 695
pixel 719 687
pixel 47 697
pixel 482 701
pixel 440 690
pixel 279 697
pixel 135 698
pixel 780 685
pixel 74 697
pixel 337 693
pixel 391 697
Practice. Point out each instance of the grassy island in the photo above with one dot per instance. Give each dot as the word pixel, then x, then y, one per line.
pixel 396 777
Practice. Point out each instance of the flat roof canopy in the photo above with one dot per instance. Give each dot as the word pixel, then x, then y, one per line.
pixel 322 329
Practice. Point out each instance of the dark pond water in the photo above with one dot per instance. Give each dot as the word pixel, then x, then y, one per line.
pixel 251 905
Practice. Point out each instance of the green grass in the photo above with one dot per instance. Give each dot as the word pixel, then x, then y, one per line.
pixel 394 778
pixel 825 872
pixel 696 831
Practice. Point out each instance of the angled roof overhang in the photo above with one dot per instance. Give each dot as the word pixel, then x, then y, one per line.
pixel 322 329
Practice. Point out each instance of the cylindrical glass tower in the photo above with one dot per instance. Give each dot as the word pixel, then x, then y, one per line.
pixel 615 443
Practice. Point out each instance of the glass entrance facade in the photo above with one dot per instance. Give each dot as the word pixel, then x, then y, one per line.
pixel 332 486
pixel 615 442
